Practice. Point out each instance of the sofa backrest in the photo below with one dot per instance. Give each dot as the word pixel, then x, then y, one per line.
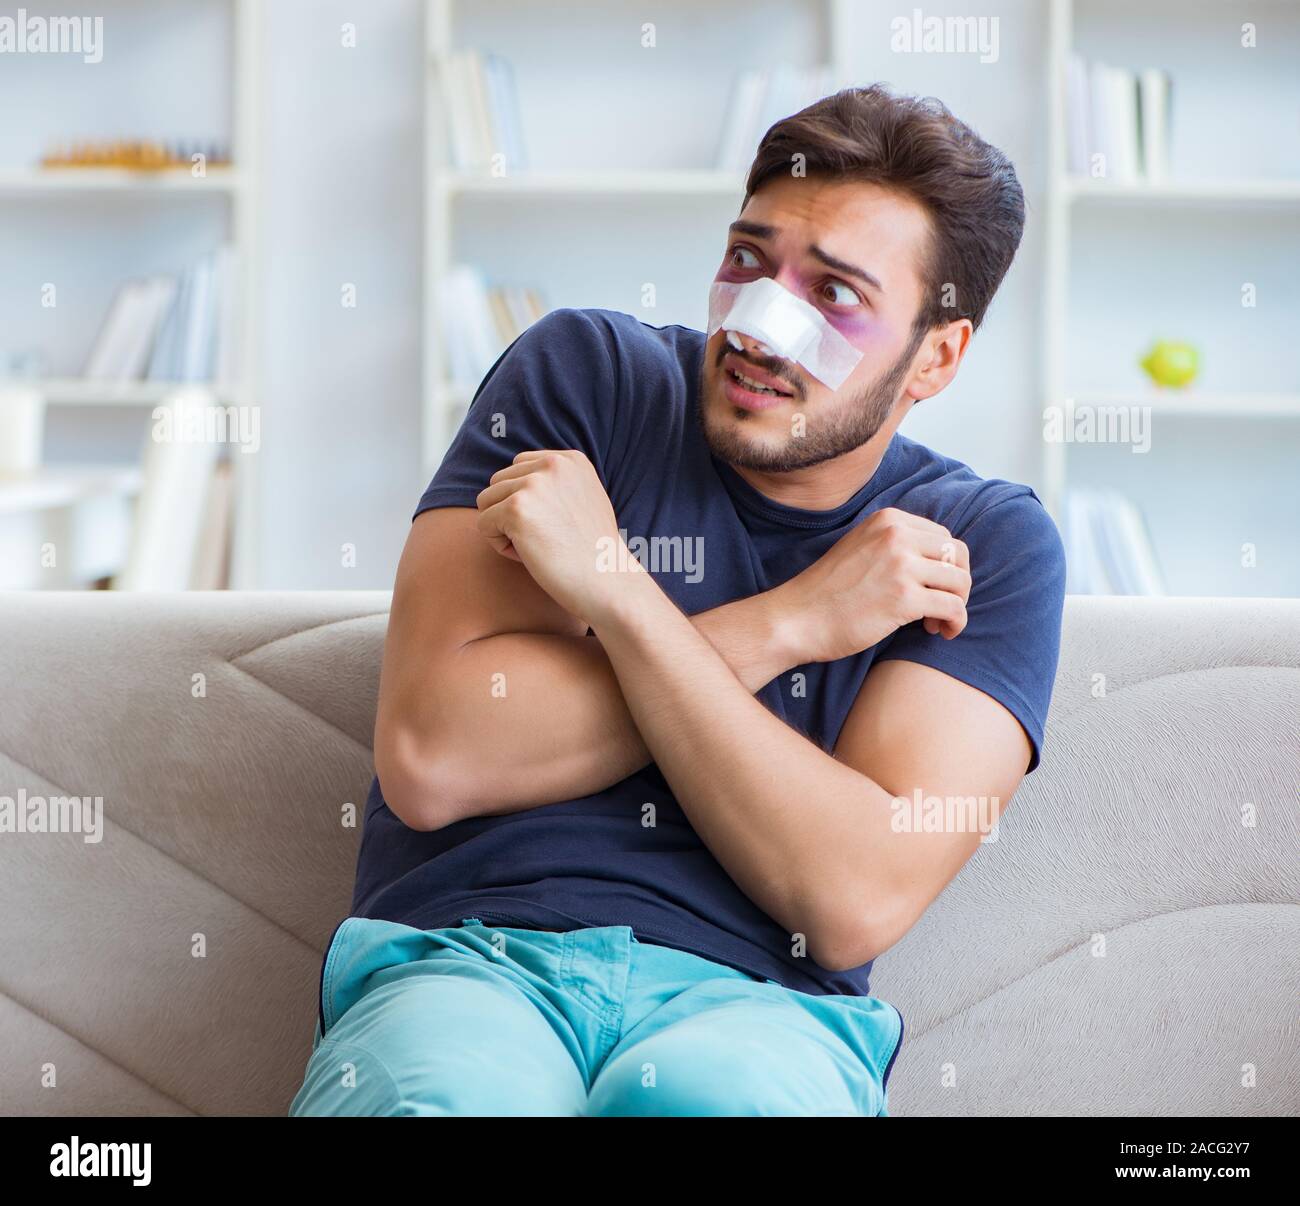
pixel 1128 943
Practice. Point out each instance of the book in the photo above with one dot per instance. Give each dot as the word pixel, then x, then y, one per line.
pixel 164 361
pixel 455 103
pixel 1122 109
pixel 196 338
pixel 479 322
pixel 1101 148
pixel 1154 88
pixel 735 150
pixel 170 510
pixel 1107 547
pixel 759 99
pixel 125 341
pixel 481 112
pixel 1118 117
pixel 211 567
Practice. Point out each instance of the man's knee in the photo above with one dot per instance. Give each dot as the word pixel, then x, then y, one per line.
pixel 695 1071
pixel 345 1080
pixel 442 1045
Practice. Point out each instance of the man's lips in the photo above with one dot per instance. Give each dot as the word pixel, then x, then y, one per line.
pixel 739 393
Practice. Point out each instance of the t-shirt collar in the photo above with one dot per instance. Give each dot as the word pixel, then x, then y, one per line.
pixel 754 500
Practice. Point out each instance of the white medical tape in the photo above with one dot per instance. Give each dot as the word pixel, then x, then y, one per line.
pixel 787 326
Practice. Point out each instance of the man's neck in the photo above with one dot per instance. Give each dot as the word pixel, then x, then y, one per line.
pixel 825 486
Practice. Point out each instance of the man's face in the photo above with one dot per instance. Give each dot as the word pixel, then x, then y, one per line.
pixel 854 251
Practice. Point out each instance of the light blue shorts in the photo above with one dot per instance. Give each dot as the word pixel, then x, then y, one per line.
pixel 492 1021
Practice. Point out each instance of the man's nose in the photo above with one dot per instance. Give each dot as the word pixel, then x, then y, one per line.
pixel 747 343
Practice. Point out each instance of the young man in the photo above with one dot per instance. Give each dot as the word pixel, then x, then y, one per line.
pixel 636 835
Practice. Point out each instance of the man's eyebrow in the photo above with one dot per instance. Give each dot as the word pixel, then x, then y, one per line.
pixel 759 230
pixel 845 267
pixel 754 229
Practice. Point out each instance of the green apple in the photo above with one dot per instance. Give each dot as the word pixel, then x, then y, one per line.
pixel 1171 363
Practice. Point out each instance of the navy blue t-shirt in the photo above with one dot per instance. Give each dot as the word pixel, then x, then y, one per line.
pixel 624 394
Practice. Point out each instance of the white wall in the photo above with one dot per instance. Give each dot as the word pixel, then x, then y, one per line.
pixel 341 197
pixel 342 183
pixel 341 154
pixel 990 416
pixel 342 177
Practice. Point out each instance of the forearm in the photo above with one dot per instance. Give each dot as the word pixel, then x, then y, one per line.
pixel 537 718
pixel 804 836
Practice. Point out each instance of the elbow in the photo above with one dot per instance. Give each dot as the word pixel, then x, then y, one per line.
pixel 418 789
pixel 849 938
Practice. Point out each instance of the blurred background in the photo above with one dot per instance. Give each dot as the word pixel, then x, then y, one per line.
pixel 257 255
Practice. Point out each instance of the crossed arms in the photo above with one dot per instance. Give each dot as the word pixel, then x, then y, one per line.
pixel 510 589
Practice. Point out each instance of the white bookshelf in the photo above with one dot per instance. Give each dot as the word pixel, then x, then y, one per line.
pixel 1238 193
pixel 99 182
pixel 1206 405
pixel 78 391
pixel 1215 197
pixel 78 198
pixel 86 511
pixel 1216 442
pixel 593 184
pixel 600 188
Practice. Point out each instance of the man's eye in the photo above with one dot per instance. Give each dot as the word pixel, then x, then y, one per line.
pixel 742 257
pixel 839 294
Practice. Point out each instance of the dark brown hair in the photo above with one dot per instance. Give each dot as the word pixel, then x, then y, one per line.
pixel 916 146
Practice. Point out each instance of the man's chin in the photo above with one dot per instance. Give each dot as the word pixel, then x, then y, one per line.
pixel 747 439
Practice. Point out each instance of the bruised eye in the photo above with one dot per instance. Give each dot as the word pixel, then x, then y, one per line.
pixel 742 257
pixel 839 294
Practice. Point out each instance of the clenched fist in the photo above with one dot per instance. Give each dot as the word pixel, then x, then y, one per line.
pixel 549 510
pixel 892 569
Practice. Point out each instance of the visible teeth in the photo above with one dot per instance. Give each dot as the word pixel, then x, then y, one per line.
pixel 750 383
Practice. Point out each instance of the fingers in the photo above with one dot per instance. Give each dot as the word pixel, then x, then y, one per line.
pixel 939 544
pixel 502 485
pixel 535 454
pixel 524 465
pixel 489 524
pixel 930 539
pixel 942 568
pixel 945 611
pixel 516 468
pixel 945 575
pixel 499 491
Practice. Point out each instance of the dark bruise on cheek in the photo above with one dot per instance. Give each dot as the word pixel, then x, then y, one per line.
pixel 854 327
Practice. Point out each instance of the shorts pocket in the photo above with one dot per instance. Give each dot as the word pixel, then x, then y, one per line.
pixel 898 1046
pixel 878 1027
pixel 326 969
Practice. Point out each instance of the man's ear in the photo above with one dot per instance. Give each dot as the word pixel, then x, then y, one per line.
pixel 937 360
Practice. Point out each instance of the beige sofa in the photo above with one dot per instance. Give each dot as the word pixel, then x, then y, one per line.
pixel 1129 944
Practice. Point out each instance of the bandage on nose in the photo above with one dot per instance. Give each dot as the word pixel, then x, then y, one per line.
pixel 784 325
pixel 739 344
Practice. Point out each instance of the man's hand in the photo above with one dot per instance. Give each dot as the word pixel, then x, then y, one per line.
pixel 549 510
pixel 890 570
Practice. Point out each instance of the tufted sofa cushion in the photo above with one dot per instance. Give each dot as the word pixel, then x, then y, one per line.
pixel 1127 944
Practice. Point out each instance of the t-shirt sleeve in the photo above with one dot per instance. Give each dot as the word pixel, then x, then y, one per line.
pixel 1011 641
pixel 553 387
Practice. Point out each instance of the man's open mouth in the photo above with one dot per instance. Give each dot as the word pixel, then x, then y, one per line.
pixel 755 380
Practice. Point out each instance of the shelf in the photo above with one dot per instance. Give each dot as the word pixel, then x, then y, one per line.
pixel 73 391
pixel 685 183
pixel 1182 192
pixel 51 487
pixel 1206 405
pixel 72 182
